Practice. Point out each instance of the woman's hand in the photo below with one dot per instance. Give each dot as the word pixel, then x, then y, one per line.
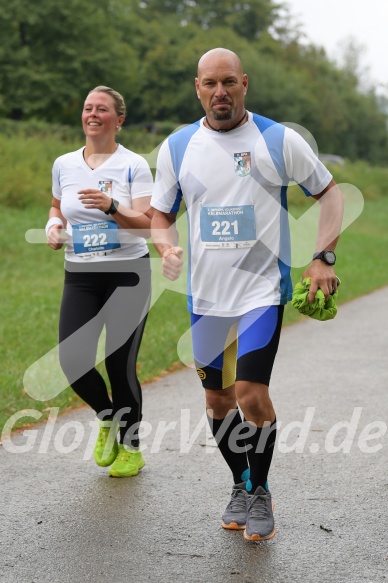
pixel 56 237
pixel 95 199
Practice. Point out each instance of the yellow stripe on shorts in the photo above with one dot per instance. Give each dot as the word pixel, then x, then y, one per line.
pixel 230 358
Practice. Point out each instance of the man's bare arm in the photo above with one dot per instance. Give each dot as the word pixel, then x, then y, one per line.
pixel 329 227
pixel 165 239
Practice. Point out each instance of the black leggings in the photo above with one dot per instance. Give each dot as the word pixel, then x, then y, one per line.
pixel 114 294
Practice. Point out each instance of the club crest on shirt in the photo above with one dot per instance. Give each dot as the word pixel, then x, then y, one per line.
pixel 242 163
pixel 105 186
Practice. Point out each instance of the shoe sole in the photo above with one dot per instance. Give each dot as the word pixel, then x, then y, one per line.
pixel 233 526
pixel 118 475
pixel 105 463
pixel 257 537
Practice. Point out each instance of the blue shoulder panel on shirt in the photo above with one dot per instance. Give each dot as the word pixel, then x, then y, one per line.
pixel 274 140
pixel 178 143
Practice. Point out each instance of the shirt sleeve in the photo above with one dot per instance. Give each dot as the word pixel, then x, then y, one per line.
pixel 166 195
pixel 303 165
pixel 141 181
pixel 56 181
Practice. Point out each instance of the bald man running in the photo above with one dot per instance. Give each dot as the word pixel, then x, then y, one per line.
pixel 232 169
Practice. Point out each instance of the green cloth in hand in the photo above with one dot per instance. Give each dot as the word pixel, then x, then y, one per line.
pixel 319 309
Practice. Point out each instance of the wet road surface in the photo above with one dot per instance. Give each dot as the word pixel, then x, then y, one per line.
pixel 62 519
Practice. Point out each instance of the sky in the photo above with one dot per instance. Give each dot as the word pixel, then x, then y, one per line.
pixel 327 23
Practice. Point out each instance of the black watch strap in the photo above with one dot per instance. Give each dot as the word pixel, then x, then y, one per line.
pixel 327 256
pixel 113 207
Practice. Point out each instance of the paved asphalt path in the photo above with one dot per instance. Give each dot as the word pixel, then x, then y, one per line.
pixel 63 520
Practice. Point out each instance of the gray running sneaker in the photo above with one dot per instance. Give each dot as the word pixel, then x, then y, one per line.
pixel 235 515
pixel 260 522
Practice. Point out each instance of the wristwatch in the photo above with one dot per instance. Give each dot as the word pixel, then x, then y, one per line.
pixel 326 256
pixel 113 207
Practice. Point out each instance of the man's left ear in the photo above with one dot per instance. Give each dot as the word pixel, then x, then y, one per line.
pixel 245 83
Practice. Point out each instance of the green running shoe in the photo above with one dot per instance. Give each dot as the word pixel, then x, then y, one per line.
pixel 106 448
pixel 127 463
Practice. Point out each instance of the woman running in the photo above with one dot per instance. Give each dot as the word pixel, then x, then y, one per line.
pixel 100 210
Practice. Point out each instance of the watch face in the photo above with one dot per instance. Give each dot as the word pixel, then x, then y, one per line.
pixel 114 206
pixel 329 257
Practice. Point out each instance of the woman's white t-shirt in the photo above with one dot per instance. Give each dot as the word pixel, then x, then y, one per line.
pixel 124 176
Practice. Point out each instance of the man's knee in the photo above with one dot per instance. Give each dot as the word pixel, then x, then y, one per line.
pixel 254 400
pixel 219 403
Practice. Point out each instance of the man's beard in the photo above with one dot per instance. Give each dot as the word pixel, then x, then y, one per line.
pixel 222 115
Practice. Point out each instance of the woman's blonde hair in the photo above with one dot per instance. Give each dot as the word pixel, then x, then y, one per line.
pixel 116 96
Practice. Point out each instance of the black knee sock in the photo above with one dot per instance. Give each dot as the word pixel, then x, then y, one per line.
pixel 260 447
pixel 233 453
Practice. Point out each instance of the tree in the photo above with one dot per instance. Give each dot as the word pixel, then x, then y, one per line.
pixel 248 19
pixel 53 53
pixel 349 58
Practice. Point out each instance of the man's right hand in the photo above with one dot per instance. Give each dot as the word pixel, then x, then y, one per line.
pixel 56 237
pixel 172 263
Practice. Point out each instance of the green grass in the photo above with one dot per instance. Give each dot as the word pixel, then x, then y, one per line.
pixel 30 295
pixel 32 279
pixel 28 152
pixel 362 262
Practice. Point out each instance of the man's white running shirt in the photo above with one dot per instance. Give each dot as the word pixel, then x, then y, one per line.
pixel 234 185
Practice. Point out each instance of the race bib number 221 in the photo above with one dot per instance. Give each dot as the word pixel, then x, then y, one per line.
pixel 228 227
